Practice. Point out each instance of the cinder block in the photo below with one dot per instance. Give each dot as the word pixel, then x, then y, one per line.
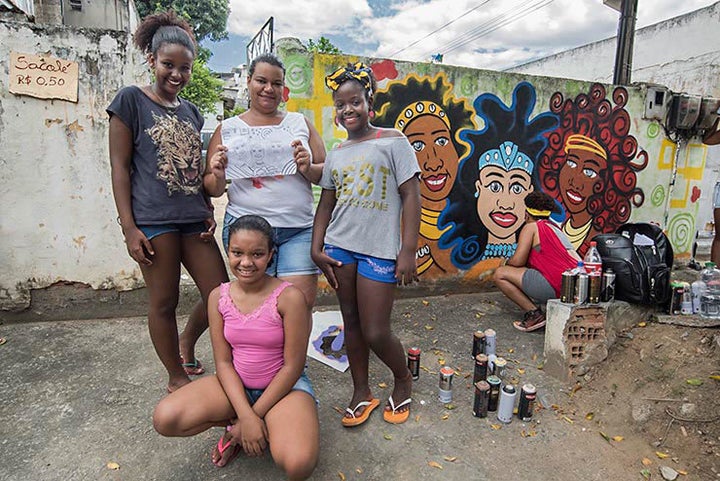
pixel 578 337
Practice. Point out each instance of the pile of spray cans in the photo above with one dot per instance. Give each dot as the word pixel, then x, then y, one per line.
pixel 580 287
pixel 493 391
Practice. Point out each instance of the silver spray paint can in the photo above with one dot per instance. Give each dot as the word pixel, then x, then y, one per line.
pixel 490 341
pixel 508 393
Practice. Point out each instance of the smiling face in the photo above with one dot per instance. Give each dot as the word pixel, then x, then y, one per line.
pixel 430 138
pixel 249 254
pixel 577 179
pixel 265 87
pixel 500 200
pixel 172 64
pixel 352 107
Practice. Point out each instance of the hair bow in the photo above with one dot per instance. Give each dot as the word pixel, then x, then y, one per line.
pixel 358 71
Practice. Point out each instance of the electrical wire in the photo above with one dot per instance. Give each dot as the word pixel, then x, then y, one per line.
pixel 505 18
pixel 392 55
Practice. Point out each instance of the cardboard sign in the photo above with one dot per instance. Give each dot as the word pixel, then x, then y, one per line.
pixel 43 76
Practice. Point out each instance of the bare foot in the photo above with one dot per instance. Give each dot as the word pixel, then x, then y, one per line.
pixel 401 392
pixel 223 452
pixel 176 383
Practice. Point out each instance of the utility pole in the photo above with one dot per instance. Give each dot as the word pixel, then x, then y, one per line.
pixel 625 39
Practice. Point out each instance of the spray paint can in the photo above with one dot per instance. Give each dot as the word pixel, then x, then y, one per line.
pixel 526 405
pixel 686 305
pixel 698 289
pixel 491 364
pixel 676 296
pixel 508 393
pixel 500 368
pixel 594 288
pixel 413 362
pixel 607 293
pixel 478 346
pixel 494 396
pixel 581 288
pixel 567 288
pixel 490 341
pixel 482 396
pixel 481 368
pixel 445 391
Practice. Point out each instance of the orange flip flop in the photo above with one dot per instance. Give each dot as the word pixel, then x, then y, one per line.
pixel 394 417
pixel 358 420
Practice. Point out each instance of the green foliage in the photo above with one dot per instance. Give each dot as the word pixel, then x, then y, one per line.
pixel 203 90
pixel 323 45
pixel 236 111
pixel 208 18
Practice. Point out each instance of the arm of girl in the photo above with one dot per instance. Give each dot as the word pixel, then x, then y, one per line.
pixel 322 219
pixel 406 268
pixel 296 327
pixel 121 151
pixel 214 178
pixel 313 171
pixel 524 244
pixel 249 431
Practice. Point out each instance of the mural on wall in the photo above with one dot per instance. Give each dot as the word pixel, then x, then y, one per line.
pixel 430 117
pixel 486 208
pixel 591 163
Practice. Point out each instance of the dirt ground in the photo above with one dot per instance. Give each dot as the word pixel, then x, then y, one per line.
pixel 657 398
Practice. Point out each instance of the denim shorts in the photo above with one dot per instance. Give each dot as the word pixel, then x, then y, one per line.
pixel 373 268
pixel 184 228
pixel 292 249
pixel 303 384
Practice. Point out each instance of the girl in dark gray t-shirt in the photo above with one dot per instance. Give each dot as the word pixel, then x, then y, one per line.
pixel 157 170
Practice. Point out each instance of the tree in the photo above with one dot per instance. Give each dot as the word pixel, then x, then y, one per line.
pixel 323 45
pixel 208 19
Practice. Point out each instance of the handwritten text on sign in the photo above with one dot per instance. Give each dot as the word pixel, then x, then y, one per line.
pixel 43 76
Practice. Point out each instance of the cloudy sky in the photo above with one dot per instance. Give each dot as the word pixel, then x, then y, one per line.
pixel 492 34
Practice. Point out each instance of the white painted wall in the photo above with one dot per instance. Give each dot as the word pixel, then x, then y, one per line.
pixel 681 53
pixel 58 217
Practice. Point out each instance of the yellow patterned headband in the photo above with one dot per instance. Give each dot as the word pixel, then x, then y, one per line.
pixel 358 71
pixel 538 212
pixel 581 142
pixel 422 107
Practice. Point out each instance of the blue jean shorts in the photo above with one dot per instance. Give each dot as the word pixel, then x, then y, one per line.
pixel 303 384
pixel 183 228
pixel 373 268
pixel 292 249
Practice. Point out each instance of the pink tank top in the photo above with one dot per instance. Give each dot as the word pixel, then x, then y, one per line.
pixel 257 339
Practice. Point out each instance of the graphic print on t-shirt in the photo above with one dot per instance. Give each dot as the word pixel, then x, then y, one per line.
pixel 179 159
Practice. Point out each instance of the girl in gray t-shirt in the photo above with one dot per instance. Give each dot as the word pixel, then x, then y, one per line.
pixel 364 238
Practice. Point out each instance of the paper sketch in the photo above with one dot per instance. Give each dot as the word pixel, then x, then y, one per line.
pixel 258 151
pixel 327 340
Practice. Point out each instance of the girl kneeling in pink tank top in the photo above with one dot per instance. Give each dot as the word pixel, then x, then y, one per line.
pixel 259 327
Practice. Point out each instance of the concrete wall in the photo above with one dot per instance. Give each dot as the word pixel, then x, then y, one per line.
pixel 61 228
pixel 58 217
pixel 681 53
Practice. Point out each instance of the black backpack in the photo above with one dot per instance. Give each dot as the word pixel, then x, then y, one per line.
pixel 642 264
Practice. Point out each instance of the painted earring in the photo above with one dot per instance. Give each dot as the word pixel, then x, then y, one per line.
pixel 371 114
pixel 337 122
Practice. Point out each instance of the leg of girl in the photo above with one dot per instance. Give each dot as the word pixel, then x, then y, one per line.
pixel 205 265
pixel 293 434
pixel 358 351
pixel 162 279
pixel 375 301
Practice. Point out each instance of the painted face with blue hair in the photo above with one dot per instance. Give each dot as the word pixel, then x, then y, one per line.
pixel 504 179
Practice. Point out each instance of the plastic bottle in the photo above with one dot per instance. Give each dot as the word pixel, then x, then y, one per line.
pixel 698 288
pixel 710 300
pixel 593 267
pixel 593 261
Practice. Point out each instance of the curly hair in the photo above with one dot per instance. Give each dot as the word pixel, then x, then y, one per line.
pixel 593 116
pixel 468 237
pixel 392 101
pixel 161 28
pixel 540 201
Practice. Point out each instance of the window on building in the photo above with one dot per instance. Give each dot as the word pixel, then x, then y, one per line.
pixel 76 4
